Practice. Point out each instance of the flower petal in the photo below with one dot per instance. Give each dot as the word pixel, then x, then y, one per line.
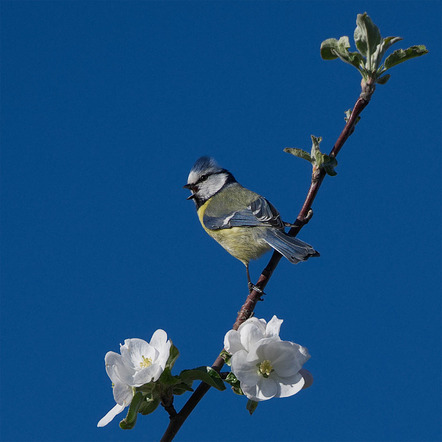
pixel 245 371
pixel 264 389
pixel 159 339
pixel 146 375
pixel 252 331
pixel 289 386
pixel 163 354
pixel 273 327
pixel 116 369
pixel 287 357
pixel 134 351
pixel 110 415
pixel 255 321
pixel 267 388
pixel 123 394
pixel 258 350
pixel 232 341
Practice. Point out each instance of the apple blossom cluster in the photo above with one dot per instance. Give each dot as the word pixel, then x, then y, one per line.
pixel 139 363
pixel 262 367
pixel 265 366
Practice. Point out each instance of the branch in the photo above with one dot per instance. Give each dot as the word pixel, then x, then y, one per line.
pixel 304 215
pixel 167 403
pixel 302 219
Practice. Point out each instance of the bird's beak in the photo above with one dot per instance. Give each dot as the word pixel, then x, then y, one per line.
pixel 192 188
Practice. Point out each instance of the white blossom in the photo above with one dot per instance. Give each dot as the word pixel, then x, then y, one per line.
pixel 139 363
pixel 250 332
pixel 265 366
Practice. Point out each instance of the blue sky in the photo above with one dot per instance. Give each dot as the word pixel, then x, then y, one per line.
pixel 105 106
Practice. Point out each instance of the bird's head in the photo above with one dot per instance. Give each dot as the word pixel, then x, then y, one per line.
pixel 206 179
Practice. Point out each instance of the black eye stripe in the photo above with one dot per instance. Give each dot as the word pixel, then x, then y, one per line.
pixel 205 176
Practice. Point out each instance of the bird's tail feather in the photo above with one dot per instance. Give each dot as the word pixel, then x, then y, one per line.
pixel 293 249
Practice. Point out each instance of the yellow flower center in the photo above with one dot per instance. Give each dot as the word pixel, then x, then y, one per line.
pixel 146 362
pixel 265 368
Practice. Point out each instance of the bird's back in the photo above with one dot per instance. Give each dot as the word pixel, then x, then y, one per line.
pixel 231 199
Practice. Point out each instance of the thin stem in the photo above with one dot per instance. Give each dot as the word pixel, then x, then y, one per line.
pixel 177 421
pixel 167 403
pixel 302 219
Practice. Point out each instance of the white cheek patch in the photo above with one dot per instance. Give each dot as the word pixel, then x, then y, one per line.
pixel 212 185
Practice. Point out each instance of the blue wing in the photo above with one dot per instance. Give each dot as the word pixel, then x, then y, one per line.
pixel 259 213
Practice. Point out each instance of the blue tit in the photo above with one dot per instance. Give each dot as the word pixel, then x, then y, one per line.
pixel 243 222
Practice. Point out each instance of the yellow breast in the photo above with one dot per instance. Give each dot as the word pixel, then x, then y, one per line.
pixel 244 243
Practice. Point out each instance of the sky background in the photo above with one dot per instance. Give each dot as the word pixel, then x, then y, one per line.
pixel 105 106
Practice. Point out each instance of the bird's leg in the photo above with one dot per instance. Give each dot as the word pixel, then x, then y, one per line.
pixel 251 285
pixel 249 281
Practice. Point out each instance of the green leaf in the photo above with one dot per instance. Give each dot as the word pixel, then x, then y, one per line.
pixel 329 164
pixel 130 420
pixel 251 406
pixel 383 79
pixel 355 59
pixel 147 389
pixel 232 380
pixel 367 37
pixel 332 48
pixel 181 388
pixel 390 41
pixel 148 407
pixel 168 379
pixel 238 391
pixel 321 160
pixel 226 356
pixel 342 45
pixel 378 54
pixel 298 153
pixel 401 55
pixel 205 374
pixel 173 356
pixel 316 154
pixel 328 49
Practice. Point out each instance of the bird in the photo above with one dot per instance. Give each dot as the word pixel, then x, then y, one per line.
pixel 245 223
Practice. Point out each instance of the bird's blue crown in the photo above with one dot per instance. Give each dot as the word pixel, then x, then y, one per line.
pixel 205 164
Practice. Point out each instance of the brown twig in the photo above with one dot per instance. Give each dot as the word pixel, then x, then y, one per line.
pixel 167 403
pixel 302 219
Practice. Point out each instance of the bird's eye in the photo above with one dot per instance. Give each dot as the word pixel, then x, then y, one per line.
pixel 203 178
